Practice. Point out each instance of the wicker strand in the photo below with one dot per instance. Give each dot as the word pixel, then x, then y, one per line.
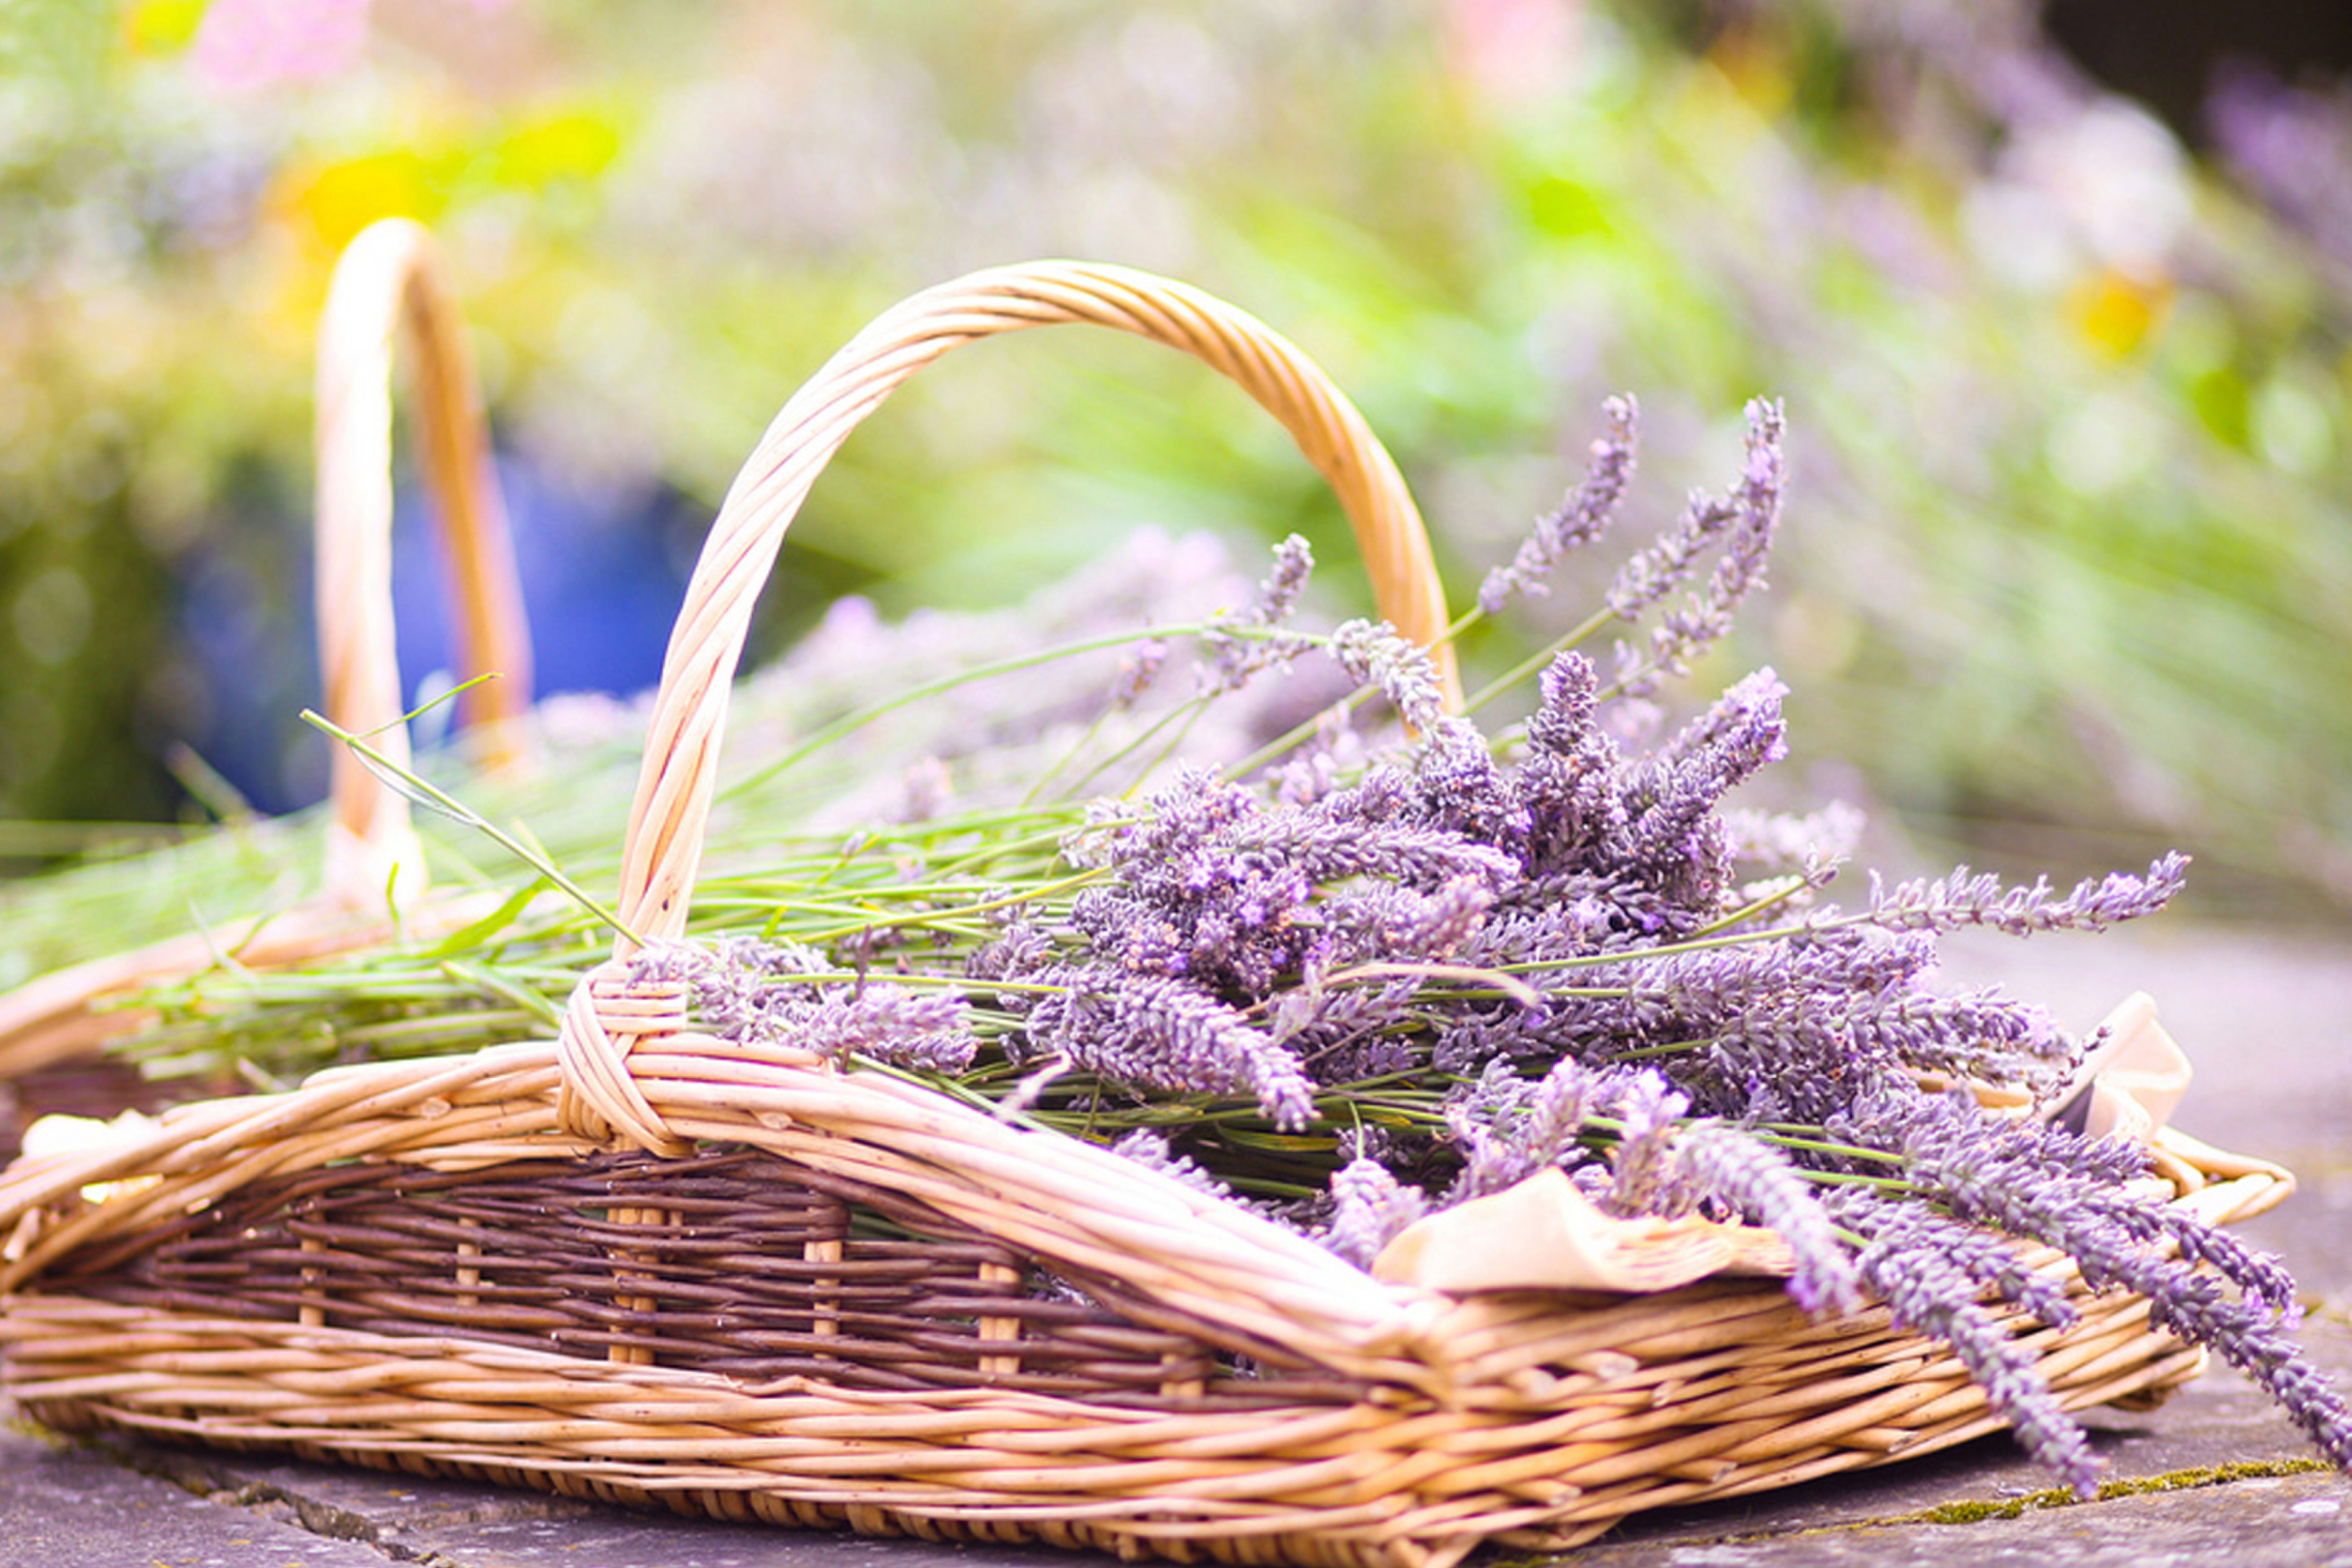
pixel 600 1100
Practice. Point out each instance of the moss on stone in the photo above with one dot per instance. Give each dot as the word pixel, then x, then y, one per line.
pixel 1975 1512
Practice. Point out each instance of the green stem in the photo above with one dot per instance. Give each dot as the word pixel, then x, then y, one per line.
pixel 426 794
pixel 1539 658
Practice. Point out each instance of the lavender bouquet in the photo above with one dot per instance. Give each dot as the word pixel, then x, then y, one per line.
pixel 1350 984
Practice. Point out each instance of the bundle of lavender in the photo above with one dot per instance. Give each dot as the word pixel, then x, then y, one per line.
pixel 1350 985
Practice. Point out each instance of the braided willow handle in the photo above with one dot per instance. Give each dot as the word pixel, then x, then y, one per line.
pixel 674 790
pixel 390 280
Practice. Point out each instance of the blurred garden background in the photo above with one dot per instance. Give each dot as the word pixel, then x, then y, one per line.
pixel 2062 319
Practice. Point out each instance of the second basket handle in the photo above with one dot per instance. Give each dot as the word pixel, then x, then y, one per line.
pixel 672 807
pixel 390 280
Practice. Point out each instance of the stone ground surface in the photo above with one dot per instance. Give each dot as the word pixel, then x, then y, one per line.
pixel 2215 1475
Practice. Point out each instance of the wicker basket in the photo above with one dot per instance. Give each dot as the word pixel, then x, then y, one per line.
pixel 641 1263
pixel 389 283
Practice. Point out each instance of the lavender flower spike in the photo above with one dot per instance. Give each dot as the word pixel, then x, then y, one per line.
pixel 1376 655
pixel 1753 507
pixel 1369 1209
pixel 1745 522
pixel 1960 900
pixel 1151 1033
pixel 1232 659
pixel 1579 520
pixel 1722 1163
pixel 1905 1264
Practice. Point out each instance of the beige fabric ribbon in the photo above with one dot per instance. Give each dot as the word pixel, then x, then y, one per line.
pixel 1544 1235
pixel 2130 1086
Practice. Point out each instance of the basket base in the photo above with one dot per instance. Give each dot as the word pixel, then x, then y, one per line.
pixel 1385 1484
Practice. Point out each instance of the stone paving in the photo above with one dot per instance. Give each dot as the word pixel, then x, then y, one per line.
pixel 2215 1475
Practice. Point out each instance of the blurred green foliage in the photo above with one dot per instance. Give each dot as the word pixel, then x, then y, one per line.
pixel 2069 560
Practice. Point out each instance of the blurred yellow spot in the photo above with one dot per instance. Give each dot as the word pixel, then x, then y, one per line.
pixel 333 204
pixel 2114 311
pixel 161 27
pixel 562 147
pixel 1567 208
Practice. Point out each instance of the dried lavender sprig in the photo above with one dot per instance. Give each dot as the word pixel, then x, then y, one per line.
pixel 1348 1034
pixel 1641 1166
pixel 1928 904
pixel 1781 841
pixel 1988 1257
pixel 740 994
pixel 1231 660
pixel 1581 518
pixel 1369 1207
pixel 1961 899
pixel 1376 655
pixel 1713 1160
pixel 2254 1340
pixel 1675 840
pixel 1506 1128
pixel 1744 522
pixel 2249 1331
pixel 1747 719
pixel 2033 1180
pixel 1151 1150
pixel 1656 571
pixel 1210 884
pixel 1904 1262
pixel 1138 668
pixel 1152 1033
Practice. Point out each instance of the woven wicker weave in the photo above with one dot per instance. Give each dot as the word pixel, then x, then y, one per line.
pixel 645 1264
pixel 388 284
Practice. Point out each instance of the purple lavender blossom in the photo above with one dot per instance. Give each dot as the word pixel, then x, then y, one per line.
pixel 1673 837
pixel 1137 670
pixel 1812 843
pixel 1213 886
pixel 1582 518
pixel 1156 1034
pixel 1347 1033
pixel 1506 1128
pixel 1904 1263
pixel 745 993
pixel 1990 1260
pixel 1232 659
pixel 1152 1150
pixel 1369 1207
pixel 1642 1166
pixel 1960 900
pixel 1744 523
pixel 1375 654
pixel 1718 1165
pixel 1455 786
pixel 2029 1179
pixel 1569 783
pixel 1744 721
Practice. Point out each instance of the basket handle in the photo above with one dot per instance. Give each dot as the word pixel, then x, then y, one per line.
pixel 389 281
pixel 671 810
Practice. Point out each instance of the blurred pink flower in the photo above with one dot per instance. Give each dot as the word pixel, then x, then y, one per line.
pixel 1516 52
pixel 243 45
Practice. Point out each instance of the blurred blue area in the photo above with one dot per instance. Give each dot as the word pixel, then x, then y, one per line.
pixel 604 572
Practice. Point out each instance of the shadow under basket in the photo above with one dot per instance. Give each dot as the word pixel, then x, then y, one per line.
pixel 841 1300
